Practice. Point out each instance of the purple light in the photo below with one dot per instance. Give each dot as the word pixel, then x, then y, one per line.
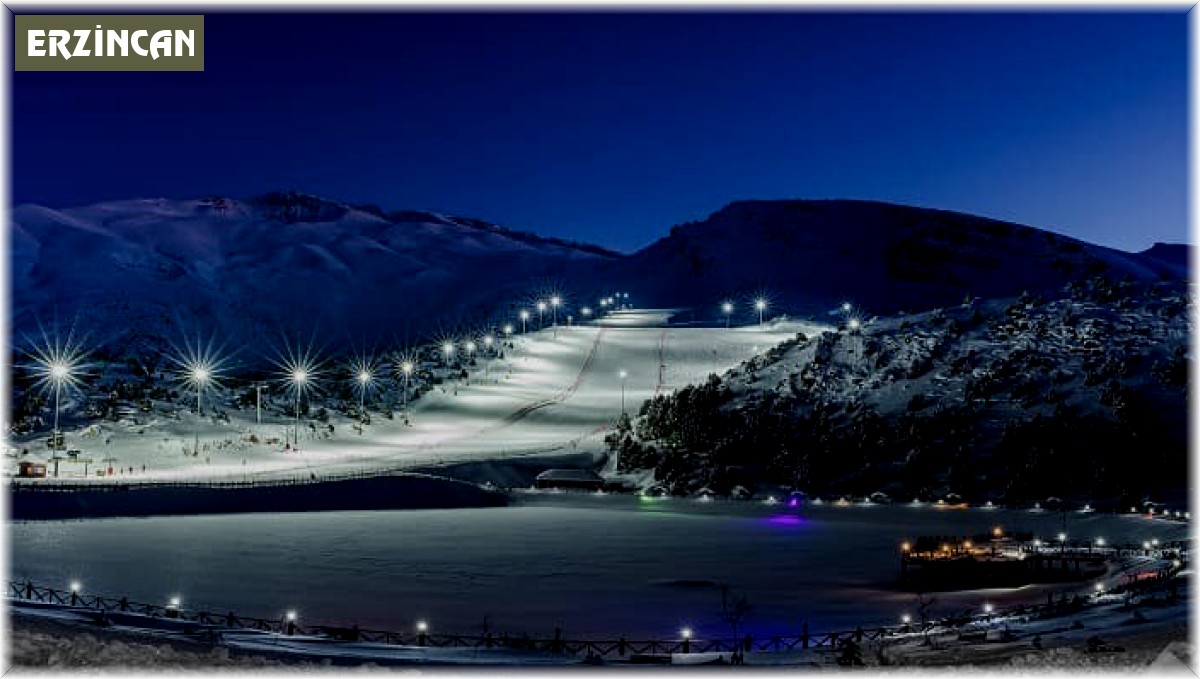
pixel 793 502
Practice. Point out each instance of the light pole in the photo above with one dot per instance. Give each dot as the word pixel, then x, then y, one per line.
pixel 200 376
pixel 727 309
pixel 541 307
pixel 258 403
pixel 364 377
pixel 299 379
pixel 487 343
pixel 761 305
pixel 447 352
pixel 524 319
pixel 554 302
pixel 406 368
pixel 623 374
pixel 59 373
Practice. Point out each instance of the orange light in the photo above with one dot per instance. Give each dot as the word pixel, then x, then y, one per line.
pixel 905 547
pixel 997 532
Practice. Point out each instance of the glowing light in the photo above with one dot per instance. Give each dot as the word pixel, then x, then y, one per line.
pixel 1099 587
pixel 541 306
pixel 854 324
pixel 997 532
pixel 1145 545
pixel 1154 542
pixel 291 616
pixel 686 633
pixel 59 371
pixel 945 548
pixel 1062 537
pixel 488 340
pixel 470 347
pixel 1037 543
pixel 555 300
pixel 508 329
pixel 447 349
pixel 422 626
pixel 846 307
pixel 905 547
pixel 906 618
pixel 75 586
pixel 967 544
pixel 988 608
pixel 624 374
pixel 300 376
pixel 1177 563
pixel 586 311
pixel 760 304
pixel 406 367
pixel 175 602
pixel 524 314
pixel 727 308
pixel 771 500
pixel 1099 542
pixel 792 502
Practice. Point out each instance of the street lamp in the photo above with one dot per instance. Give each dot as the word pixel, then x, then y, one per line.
pixel 541 307
pixel 199 376
pixel 727 309
pixel 299 382
pixel 447 352
pixel 406 369
pixel 508 329
pixel 524 318
pixel 586 311
pixel 487 342
pixel 554 302
pixel 623 374
pixel 761 305
pixel 364 377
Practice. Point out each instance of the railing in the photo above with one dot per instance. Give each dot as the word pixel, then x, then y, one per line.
pixel 621 647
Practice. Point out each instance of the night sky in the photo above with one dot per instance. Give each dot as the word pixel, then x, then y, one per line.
pixel 612 128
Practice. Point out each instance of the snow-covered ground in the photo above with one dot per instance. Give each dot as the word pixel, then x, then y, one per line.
pixel 557 391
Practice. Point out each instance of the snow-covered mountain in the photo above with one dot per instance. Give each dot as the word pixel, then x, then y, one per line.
pixel 810 255
pixel 280 262
pixel 352 275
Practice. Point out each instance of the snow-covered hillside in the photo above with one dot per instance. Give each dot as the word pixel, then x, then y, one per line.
pixel 130 270
pixel 1082 398
pixel 548 393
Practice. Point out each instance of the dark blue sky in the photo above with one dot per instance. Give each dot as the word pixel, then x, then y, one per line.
pixel 611 128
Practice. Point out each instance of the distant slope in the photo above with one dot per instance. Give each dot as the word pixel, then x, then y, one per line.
pixel 810 255
pixel 251 269
pixel 1171 253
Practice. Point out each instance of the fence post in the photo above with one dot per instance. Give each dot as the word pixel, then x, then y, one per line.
pixel 804 636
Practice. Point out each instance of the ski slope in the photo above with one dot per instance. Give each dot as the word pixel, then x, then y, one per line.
pixel 558 391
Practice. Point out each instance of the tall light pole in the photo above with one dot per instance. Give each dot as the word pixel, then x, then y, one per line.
pixel 623 374
pixel 300 380
pixel 727 309
pixel 447 352
pixel 59 373
pixel 541 307
pixel 524 319
pixel 258 403
pixel 554 302
pixel 200 376
pixel 761 305
pixel 487 343
pixel 364 377
pixel 406 368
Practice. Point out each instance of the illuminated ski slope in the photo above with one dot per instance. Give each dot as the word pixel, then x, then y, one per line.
pixel 556 392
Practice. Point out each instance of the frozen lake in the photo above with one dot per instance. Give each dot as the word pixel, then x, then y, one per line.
pixel 593 565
